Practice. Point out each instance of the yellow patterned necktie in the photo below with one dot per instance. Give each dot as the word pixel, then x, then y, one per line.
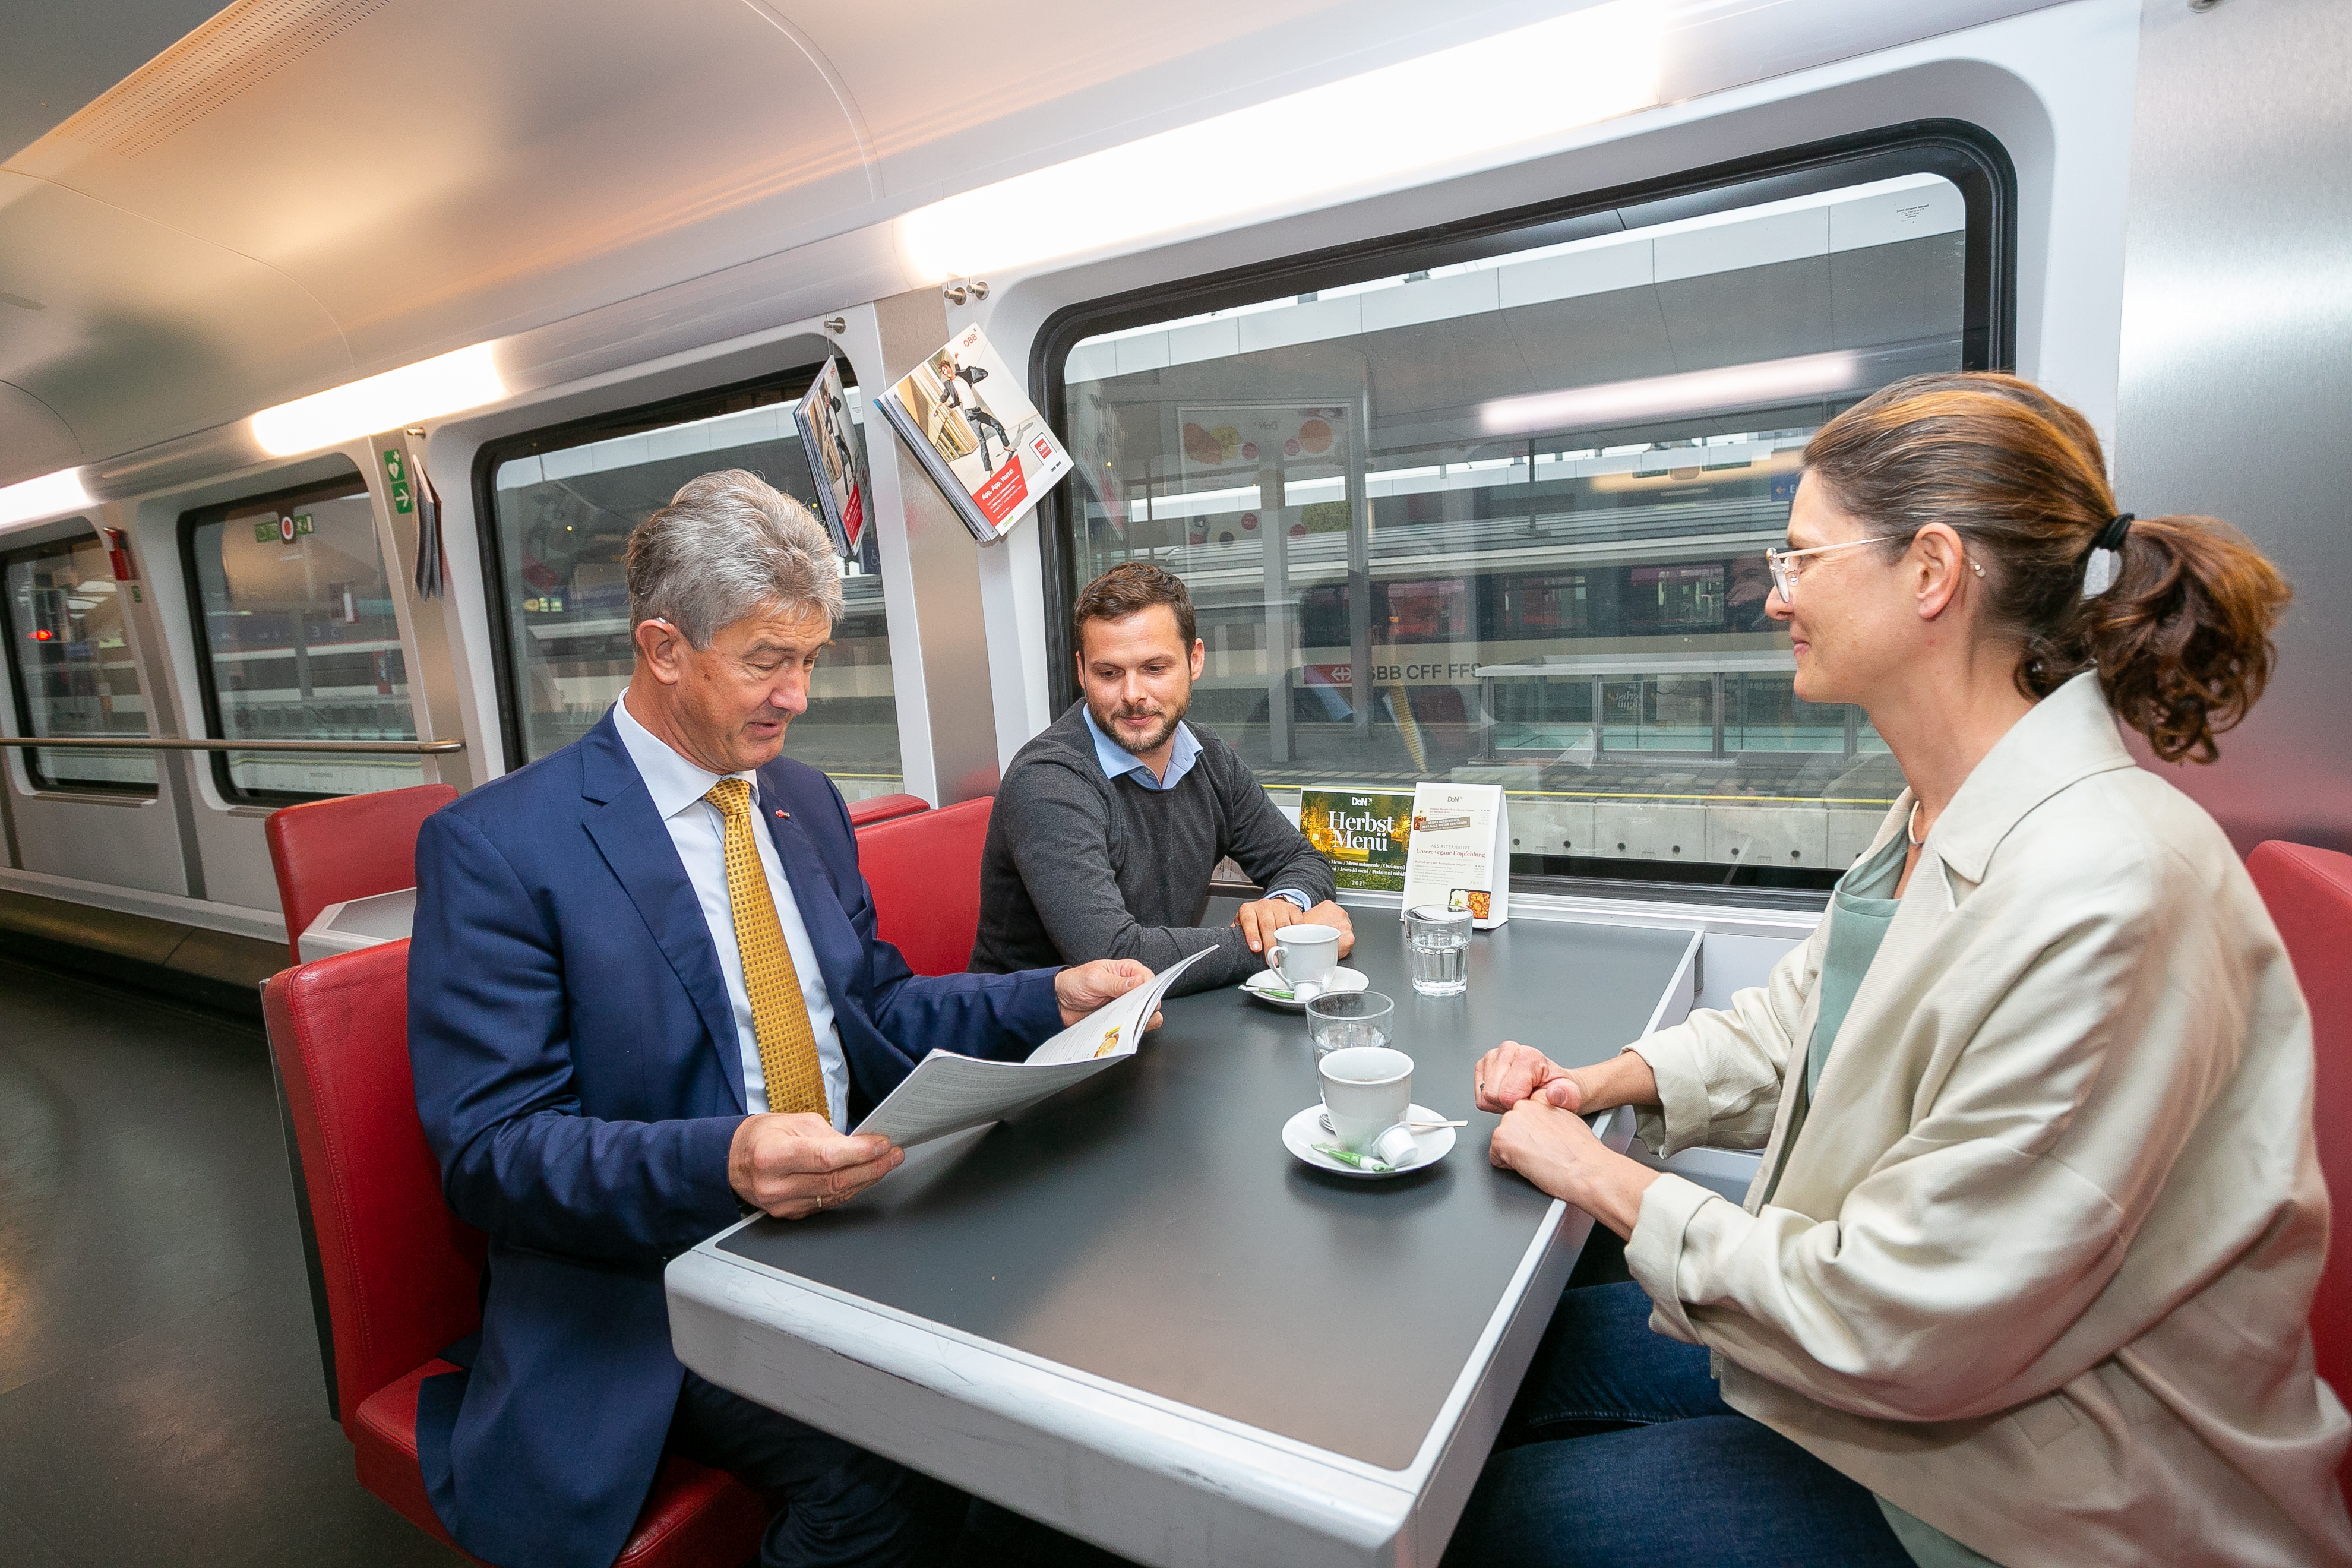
pixel 780 1019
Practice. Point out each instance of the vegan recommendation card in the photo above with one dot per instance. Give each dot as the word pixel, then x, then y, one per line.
pixel 1459 853
pixel 1361 832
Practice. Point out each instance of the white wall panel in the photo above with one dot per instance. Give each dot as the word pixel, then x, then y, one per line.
pixel 1758 242
pixel 1627 264
pixel 2237 343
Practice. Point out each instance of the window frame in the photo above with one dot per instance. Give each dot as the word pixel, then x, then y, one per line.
pixel 207 688
pixel 1969 156
pixel 22 694
pixel 791 383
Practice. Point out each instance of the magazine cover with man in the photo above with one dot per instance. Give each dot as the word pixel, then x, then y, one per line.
pixel 983 443
pixel 836 458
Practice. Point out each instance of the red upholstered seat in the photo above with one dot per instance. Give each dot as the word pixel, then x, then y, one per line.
pixel 2309 892
pixel 402 1274
pixel 354 846
pixel 877 808
pixel 695 1515
pixel 925 873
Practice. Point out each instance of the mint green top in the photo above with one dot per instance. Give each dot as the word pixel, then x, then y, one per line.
pixel 1863 908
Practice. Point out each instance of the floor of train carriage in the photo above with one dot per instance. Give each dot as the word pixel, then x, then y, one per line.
pixel 160 1399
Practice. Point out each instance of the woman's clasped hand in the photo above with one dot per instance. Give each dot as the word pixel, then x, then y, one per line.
pixel 1545 1138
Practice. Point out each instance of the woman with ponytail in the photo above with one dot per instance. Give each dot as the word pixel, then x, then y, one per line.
pixel 2024 1274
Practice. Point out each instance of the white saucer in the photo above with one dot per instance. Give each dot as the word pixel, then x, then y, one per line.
pixel 1303 1131
pixel 1265 985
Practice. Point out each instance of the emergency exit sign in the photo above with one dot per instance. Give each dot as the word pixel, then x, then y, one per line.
pixel 395 472
pixel 283 528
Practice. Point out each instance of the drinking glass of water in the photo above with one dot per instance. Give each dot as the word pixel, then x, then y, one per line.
pixel 1351 1018
pixel 1438 941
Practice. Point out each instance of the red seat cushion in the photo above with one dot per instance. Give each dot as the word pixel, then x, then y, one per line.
pixel 925 874
pixel 402 1273
pixel 695 1517
pixel 354 846
pixel 2309 894
pixel 877 808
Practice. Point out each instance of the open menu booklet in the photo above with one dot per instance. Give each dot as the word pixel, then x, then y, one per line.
pixel 947 1093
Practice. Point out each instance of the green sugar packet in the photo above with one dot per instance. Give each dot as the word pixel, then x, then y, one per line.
pixel 1350 1157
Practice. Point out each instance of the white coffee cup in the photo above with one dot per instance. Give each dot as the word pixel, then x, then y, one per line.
pixel 1367 1089
pixel 1305 955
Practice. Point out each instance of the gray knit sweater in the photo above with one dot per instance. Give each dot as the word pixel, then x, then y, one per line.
pixel 1081 866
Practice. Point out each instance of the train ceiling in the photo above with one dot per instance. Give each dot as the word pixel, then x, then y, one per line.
pixel 300 192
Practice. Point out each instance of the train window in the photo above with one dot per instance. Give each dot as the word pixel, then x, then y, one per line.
pixel 563 503
pixel 72 667
pixel 299 642
pixel 1500 512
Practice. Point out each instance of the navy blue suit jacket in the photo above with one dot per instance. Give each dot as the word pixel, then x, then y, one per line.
pixel 580 1081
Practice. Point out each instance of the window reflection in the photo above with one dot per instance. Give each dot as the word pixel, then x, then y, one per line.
pixel 1505 520
pixel 73 668
pixel 566 502
pixel 300 642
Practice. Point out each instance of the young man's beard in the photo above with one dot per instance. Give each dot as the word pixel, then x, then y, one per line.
pixel 1171 716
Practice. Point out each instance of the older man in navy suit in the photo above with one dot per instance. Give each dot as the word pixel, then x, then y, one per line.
pixel 646 996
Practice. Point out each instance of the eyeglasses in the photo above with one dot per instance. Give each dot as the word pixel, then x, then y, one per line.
pixel 1782 564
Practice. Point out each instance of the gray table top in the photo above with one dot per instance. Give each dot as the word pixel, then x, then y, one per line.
pixel 1149 1228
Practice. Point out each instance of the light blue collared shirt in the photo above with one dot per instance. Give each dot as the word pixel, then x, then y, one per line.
pixel 1117 762
pixel 699 832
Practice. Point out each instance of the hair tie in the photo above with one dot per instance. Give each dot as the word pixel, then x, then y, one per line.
pixel 2111 536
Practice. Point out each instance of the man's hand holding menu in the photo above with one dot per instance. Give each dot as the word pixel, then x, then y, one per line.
pixel 948 1093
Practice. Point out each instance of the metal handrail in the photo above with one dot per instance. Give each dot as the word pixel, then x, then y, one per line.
pixel 132 743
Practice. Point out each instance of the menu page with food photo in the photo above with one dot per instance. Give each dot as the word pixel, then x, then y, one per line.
pixel 965 417
pixel 835 457
pixel 1460 854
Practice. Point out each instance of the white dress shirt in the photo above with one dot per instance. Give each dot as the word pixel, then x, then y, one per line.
pixel 699 832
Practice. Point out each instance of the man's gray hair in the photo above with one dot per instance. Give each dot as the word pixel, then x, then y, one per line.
pixel 729 545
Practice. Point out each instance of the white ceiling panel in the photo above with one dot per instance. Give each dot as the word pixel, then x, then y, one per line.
pixel 436 165
pixel 144 331
pixel 37 439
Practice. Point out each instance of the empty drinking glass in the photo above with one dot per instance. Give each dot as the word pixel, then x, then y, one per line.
pixel 1438 941
pixel 1353 1018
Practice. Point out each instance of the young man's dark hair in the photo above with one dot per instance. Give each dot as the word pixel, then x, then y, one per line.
pixel 1130 587
pixel 1109 825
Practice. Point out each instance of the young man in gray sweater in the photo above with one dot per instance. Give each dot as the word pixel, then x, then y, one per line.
pixel 1109 821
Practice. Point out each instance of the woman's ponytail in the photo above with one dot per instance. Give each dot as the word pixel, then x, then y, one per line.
pixel 2181 637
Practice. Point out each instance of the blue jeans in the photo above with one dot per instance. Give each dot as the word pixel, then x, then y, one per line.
pixel 1620 1449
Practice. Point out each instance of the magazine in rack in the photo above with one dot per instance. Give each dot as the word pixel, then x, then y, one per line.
pixel 948 1093
pixel 834 459
pixel 964 416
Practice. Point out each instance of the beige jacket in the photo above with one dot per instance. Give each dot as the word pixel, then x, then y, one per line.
pixel 2039 1267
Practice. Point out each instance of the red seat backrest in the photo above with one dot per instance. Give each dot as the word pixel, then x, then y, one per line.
pixel 403 1274
pixel 354 846
pixel 2309 892
pixel 877 808
pixel 925 873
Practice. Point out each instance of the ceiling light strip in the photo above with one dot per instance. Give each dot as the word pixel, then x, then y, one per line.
pixel 1470 101
pixel 448 384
